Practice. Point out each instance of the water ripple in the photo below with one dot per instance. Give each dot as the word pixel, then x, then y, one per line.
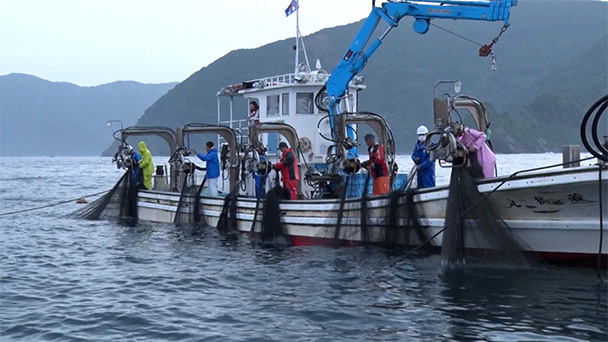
pixel 63 279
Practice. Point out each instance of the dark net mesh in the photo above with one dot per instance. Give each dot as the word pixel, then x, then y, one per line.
pixel 120 203
pixel 412 222
pixel 267 225
pixel 199 216
pixel 256 228
pixel 365 236
pixel 227 222
pixel 337 239
pixel 189 210
pixel 394 231
pixel 189 217
pixel 273 229
pixel 183 213
pixel 472 230
pixel 402 226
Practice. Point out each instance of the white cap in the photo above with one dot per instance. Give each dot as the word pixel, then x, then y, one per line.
pixel 422 130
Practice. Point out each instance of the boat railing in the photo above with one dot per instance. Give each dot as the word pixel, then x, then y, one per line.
pixel 241 126
pixel 292 78
pixel 317 77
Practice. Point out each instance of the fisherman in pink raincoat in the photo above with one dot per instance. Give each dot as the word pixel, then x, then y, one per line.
pixel 475 141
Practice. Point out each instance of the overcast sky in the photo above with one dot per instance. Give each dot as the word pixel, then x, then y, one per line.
pixel 91 42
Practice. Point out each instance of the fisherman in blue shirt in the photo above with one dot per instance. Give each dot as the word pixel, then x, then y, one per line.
pixel 424 166
pixel 136 176
pixel 260 192
pixel 213 167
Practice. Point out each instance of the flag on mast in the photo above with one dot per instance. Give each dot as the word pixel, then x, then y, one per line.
pixel 293 6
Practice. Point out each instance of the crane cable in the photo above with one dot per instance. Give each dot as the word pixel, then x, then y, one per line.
pixel 485 49
pixel 457 35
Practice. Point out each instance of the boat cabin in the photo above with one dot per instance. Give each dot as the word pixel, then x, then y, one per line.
pixel 287 99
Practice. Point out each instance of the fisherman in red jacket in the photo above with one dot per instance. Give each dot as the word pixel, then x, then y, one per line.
pixel 288 165
pixel 377 166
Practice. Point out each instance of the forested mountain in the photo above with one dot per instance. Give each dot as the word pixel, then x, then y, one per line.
pixel 42 118
pixel 553 116
pixel 551 66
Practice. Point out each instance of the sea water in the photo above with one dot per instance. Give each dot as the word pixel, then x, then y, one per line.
pixel 64 279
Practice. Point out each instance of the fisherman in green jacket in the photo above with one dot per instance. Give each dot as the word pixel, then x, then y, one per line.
pixel 146 165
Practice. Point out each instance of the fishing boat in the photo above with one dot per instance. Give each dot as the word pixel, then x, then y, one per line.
pixel 554 215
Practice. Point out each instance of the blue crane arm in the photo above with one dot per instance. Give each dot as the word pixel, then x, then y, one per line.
pixel 355 58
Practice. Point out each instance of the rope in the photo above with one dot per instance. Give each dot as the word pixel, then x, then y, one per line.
pixel 457 35
pixel 52 204
pixel 488 195
pixel 599 252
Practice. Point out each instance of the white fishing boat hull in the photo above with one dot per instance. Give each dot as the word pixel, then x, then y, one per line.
pixel 555 215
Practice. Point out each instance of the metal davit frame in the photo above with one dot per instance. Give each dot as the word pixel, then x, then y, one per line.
pixel 225 132
pixel 167 134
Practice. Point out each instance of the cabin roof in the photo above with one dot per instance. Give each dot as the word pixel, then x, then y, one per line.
pixel 314 78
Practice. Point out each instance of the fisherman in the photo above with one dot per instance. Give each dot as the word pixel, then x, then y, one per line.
pixel 146 165
pixel 425 168
pixel 254 114
pixel 376 165
pixel 213 167
pixel 288 165
pixel 260 180
pixel 254 122
pixel 479 152
pixel 136 176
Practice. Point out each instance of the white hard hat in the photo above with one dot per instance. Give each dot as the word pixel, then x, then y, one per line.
pixel 422 130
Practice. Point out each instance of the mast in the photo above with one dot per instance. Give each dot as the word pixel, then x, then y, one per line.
pixel 299 39
pixel 297 36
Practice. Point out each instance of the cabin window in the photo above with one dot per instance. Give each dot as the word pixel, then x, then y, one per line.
pixel 272 105
pixel 285 103
pixel 304 103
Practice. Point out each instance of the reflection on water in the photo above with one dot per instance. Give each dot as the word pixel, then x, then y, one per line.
pixel 525 304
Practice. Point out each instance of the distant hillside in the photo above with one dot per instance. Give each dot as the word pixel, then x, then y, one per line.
pixel 538 58
pixel 562 96
pixel 41 118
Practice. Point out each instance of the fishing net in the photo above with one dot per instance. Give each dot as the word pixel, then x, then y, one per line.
pixel 402 221
pixel 270 228
pixel 392 221
pixel 413 221
pixel 273 229
pixel 337 239
pixel 120 203
pixel 471 222
pixel 365 237
pixel 199 216
pixel 255 224
pixel 183 213
pixel 189 217
pixel 189 210
pixel 227 222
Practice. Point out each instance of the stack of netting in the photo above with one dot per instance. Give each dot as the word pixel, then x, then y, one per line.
pixel 227 222
pixel 269 228
pixel 189 210
pixel 471 222
pixel 394 223
pixel 120 203
pixel 403 227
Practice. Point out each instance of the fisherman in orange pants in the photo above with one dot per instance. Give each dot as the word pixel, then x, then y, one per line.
pixel 377 166
pixel 288 165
